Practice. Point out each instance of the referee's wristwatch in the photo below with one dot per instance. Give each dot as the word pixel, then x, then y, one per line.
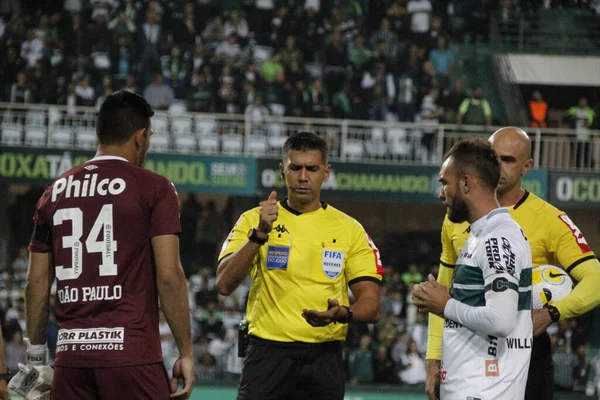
pixel 254 238
pixel 346 318
pixel 554 313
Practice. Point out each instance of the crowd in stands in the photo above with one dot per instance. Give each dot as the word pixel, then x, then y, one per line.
pixel 344 58
pixel 389 352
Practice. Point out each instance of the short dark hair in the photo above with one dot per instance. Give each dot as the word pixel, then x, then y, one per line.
pixel 121 114
pixel 306 141
pixel 477 157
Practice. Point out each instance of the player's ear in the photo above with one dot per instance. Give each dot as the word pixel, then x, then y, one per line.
pixel 281 171
pixel 527 167
pixel 139 137
pixel 327 172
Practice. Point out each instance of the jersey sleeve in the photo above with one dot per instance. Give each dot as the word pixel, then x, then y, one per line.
pixel 448 257
pixel 41 238
pixel 364 262
pixel 571 250
pixel 164 214
pixel 566 242
pixel 435 329
pixel 237 237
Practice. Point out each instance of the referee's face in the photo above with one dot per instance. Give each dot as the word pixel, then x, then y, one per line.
pixel 304 172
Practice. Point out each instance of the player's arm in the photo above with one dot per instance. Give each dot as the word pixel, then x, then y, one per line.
pixel 499 315
pixel 40 276
pixel 236 258
pixel 172 290
pixel 574 254
pixel 585 295
pixel 435 329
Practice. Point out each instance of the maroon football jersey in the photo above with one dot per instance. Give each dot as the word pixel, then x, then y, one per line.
pixel 101 216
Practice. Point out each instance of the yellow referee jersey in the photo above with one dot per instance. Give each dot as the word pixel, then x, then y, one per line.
pixel 553 238
pixel 308 258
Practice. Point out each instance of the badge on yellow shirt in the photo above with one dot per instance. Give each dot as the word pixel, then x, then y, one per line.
pixel 277 257
pixel 332 262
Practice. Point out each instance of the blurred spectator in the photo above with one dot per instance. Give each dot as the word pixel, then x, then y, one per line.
pixel 185 31
pixel 443 60
pixel 341 105
pixel 412 275
pixel 75 37
pixel 290 53
pixel 564 364
pixel 359 54
pixel 412 370
pixel 32 48
pixel 201 96
pixel 256 113
pixel 14 351
pixel 130 84
pixel 11 66
pixel 399 18
pixel 122 58
pixel 73 100
pixel 10 293
pixel 406 98
pixel 360 362
pixel 214 31
pixel 228 51
pixel 379 107
pixel 159 95
pixel 198 58
pixel 175 70
pixel 420 14
pixel 475 110
pixel 418 332
pixel 582 370
pixel 85 92
pixel 297 100
pixel 453 101
pixel 386 35
pixel 237 25
pixel 435 32
pixel 150 39
pixel 21 263
pixel 272 69
pixel 122 27
pixel 429 117
pixel 538 111
pixel 580 118
pixel 318 100
pixel 384 368
pixel 20 91
pixel 335 59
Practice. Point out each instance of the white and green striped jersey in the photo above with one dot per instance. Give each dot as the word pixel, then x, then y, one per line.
pixel 487 338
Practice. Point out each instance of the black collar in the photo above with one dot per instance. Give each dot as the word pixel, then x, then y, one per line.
pixel 285 205
pixel 521 201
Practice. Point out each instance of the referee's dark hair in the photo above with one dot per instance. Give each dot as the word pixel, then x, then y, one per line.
pixel 121 114
pixel 306 141
pixel 478 158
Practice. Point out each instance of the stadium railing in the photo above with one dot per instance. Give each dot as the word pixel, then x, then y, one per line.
pixel 386 142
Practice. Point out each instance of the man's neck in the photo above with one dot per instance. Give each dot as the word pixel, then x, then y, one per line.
pixel 117 151
pixel 304 208
pixel 512 197
pixel 482 207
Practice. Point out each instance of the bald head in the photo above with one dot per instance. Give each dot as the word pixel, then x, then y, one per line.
pixel 514 138
pixel 513 147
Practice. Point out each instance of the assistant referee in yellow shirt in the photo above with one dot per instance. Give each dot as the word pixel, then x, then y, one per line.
pixel 302 255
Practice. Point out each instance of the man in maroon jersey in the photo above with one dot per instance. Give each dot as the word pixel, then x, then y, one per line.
pixel 108 230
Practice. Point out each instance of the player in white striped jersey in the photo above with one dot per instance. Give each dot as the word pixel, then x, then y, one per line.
pixel 488 331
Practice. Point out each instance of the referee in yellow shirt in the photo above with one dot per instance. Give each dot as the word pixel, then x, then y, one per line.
pixel 302 255
pixel 553 238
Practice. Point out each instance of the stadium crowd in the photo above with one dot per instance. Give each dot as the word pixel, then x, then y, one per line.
pixel 389 352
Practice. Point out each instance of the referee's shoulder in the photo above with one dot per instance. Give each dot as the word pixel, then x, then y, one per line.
pixel 536 205
pixel 338 216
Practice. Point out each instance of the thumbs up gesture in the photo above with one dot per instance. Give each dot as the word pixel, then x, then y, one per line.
pixel 268 213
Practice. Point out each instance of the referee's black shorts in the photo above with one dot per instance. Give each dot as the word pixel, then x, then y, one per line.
pixel 292 371
pixel 540 381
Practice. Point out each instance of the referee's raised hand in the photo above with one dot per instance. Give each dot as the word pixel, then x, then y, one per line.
pixel 269 212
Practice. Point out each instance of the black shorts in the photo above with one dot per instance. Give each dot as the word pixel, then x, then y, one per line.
pixel 292 371
pixel 540 380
